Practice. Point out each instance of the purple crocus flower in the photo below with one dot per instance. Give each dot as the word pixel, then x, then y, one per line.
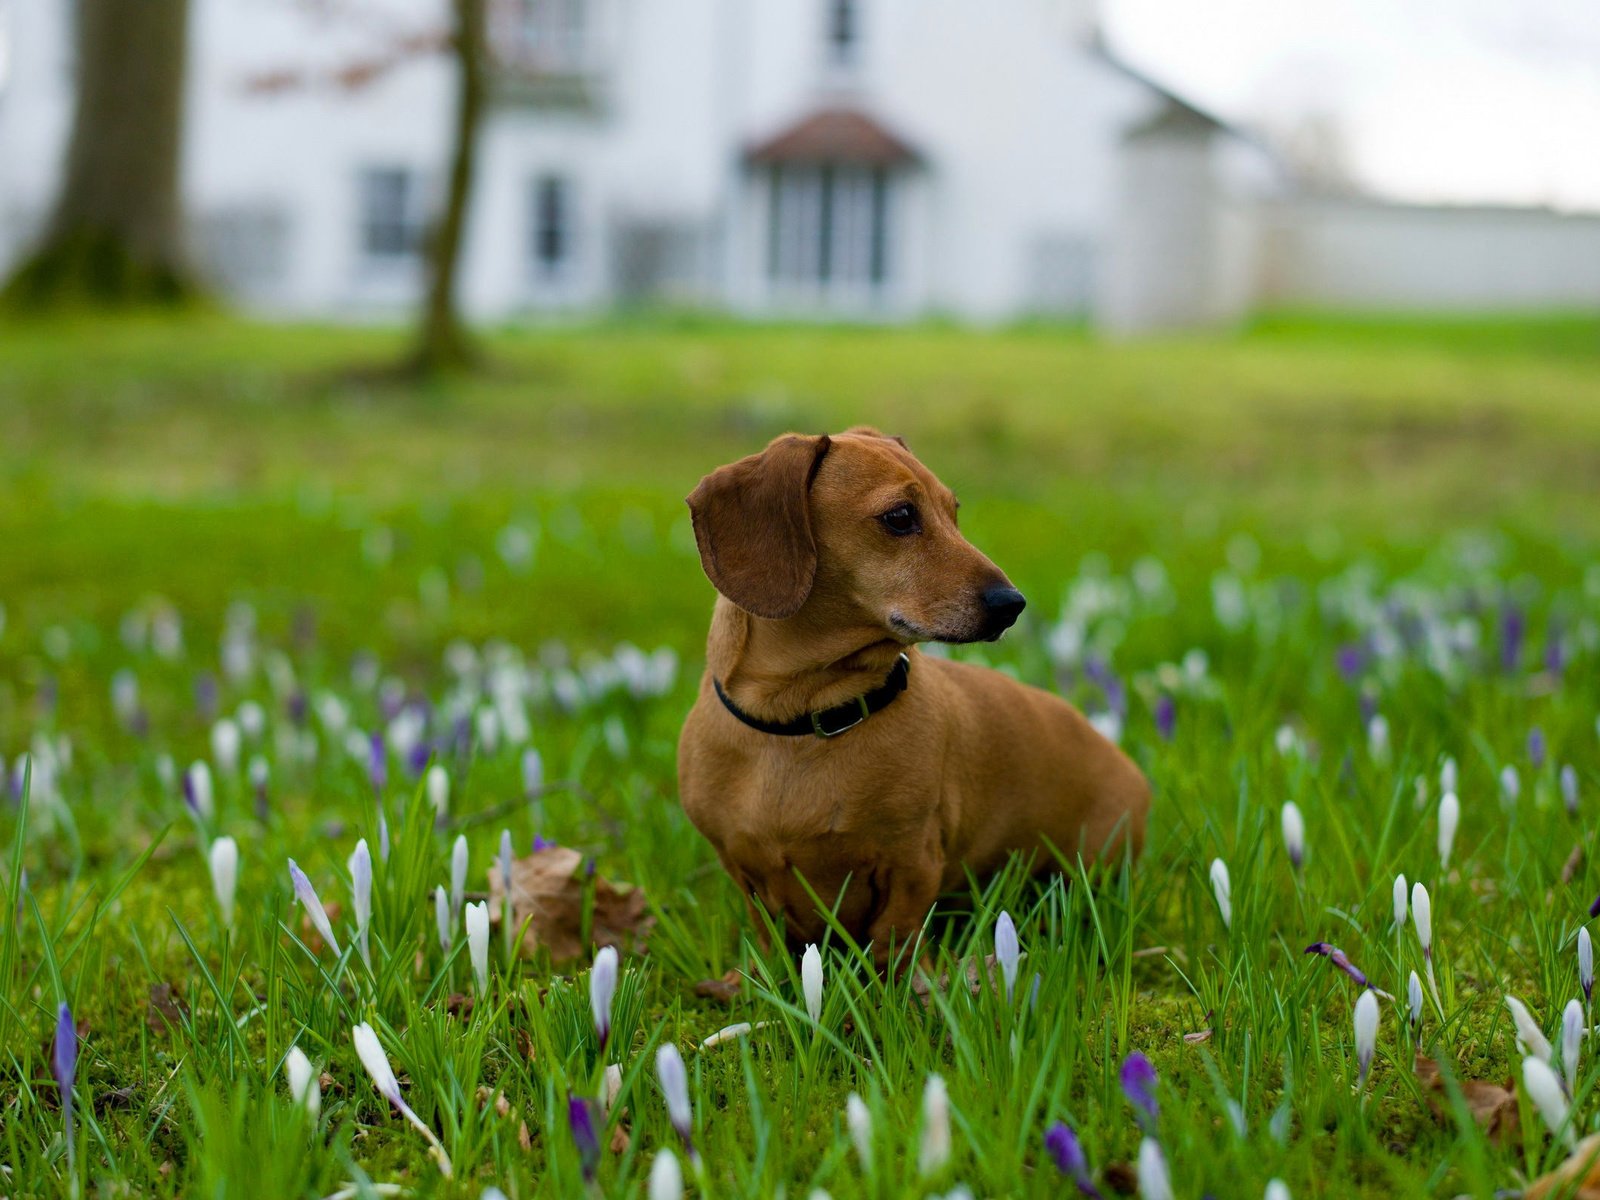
pixel 1536 747
pixel 1513 625
pixel 1369 707
pixel 205 695
pixel 1067 1153
pixel 1166 715
pixel 297 706
pixel 378 764
pixel 64 1065
pixel 1337 957
pixel 1555 652
pixel 1594 909
pixel 1350 659
pixel 418 758
pixel 580 1116
pixel 542 843
pixel 1138 1079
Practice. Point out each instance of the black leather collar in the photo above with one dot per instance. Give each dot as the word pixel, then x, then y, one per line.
pixel 830 722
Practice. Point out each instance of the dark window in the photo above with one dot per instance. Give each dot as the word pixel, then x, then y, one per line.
pixel 844 31
pixel 552 222
pixel 391 214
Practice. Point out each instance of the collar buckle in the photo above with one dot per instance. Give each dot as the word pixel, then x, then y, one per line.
pixel 823 732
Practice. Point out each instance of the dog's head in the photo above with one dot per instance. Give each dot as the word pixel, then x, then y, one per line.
pixel 854 529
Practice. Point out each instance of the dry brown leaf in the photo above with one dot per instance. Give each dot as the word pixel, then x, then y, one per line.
pixel 550 892
pixel 1569 869
pixel 166 1008
pixel 724 990
pixel 1582 1170
pixel 620 1138
pixel 1122 1178
pixel 1493 1106
pixel 973 969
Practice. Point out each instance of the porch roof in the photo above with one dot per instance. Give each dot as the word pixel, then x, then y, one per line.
pixel 834 135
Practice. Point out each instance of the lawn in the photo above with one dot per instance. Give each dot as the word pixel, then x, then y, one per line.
pixel 1332 563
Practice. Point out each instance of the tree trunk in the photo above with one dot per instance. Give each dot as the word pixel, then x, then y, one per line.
pixel 442 340
pixel 116 236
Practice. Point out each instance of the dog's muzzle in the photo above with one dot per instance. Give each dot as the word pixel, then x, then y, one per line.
pixel 1002 606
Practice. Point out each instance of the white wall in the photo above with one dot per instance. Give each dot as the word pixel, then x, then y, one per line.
pixel 1356 254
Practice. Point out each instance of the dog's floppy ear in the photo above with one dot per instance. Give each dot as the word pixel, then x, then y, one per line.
pixel 752 522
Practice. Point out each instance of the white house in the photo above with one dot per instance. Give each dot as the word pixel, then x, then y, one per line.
pixel 858 158
pixel 854 159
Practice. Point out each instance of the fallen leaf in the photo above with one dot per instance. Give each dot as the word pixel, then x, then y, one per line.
pixel 551 893
pixel 1569 869
pixel 1582 1170
pixel 972 968
pixel 121 1097
pixel 1121 1178
pixel 166 1008
pixel 724 990
pixel 1493 1106
pixel 620 1138
pixel 459 1004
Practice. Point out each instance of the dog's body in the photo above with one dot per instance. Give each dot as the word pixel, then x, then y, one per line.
pixel 824 585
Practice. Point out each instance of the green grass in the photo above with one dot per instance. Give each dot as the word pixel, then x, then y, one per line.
pixel 1213 518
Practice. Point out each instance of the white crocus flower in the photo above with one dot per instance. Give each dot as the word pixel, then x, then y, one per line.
pixel 305 1089
pixel 1448 775
pixel 674 1080
pixel 1572 1030
pixel 934 1151
pixel 1586 962
pixel 1530 1038
pixel 307 895
pixel 441 917
pixel 1366 1029
pixel 439 792
pixel 1544 1089
pixel 666 1177
pixel 602 989
pixel 225 742
pixel 1222 888
pixel 1277 1189
pixel 225 876
pixel 458 873
pixel 201 793
pixel 1378 738
pixel 1400 887
pixel 1294 834
pixel 1154 1181
pixel 376 1062
pixel 1422 917
pixel 1007 952
pixel 811 982
pixel 1414 997
pixel 361 898
pixel 859 1120
pixel 1449 818
pixel 478 943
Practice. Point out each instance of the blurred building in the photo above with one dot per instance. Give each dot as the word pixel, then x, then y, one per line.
pixel 835 159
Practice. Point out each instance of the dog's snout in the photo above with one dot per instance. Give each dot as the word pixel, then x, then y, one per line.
pixel 1003 606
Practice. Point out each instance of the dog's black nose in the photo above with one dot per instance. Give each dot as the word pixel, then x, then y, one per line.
pixel 1003 605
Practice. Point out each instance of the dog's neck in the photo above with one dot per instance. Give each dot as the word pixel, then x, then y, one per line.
pixel 777 670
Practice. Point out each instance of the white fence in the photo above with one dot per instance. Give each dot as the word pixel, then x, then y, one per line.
pixel 1355 254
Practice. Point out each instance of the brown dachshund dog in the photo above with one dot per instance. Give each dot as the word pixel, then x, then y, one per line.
pixel 824 746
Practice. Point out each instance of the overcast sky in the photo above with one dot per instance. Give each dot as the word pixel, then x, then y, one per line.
pixel 1436 100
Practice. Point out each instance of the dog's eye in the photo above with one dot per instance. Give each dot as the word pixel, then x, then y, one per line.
pixel 901 520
